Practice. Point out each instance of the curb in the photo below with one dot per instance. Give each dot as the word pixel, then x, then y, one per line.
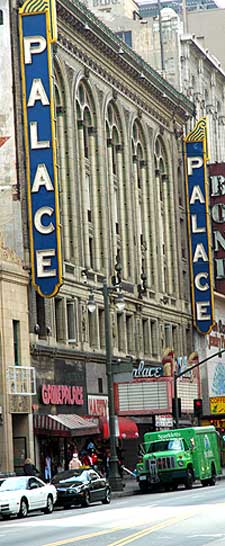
pixel 135 490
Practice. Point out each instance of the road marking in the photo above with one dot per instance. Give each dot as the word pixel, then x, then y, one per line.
pixel 83 537
pixel 149 530
pixel 125 540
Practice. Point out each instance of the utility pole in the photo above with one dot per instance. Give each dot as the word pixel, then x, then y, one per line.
pixel 176 376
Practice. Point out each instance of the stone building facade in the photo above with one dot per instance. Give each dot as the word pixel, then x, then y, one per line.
pixel 122 203
pixel 16 422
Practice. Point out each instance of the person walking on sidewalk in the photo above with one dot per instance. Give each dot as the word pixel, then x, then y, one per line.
pixel 75 462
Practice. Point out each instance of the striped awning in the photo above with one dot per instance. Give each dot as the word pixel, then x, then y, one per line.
pixel 65 424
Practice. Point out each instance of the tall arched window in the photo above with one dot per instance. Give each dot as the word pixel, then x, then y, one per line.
pixel 1 17
pixel 88 157
pixel 141 204
pixel 115 163
pixel 165 235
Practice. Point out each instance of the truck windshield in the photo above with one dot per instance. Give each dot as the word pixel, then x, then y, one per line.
pixel 166 445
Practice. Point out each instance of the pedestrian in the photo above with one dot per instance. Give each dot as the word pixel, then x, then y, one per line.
pixel 48 468
pixel 75 462
pixel 29 468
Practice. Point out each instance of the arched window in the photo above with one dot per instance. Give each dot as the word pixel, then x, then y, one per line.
pixel 87 143
pixel 115 174
pixel 1 17
pixel 141 198
pixel 165 217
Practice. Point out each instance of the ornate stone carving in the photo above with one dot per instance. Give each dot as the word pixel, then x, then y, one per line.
pixel 19 404
pixel 7 254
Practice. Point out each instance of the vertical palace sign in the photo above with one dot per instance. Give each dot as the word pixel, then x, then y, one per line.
pixel 37 25
pixel 195 157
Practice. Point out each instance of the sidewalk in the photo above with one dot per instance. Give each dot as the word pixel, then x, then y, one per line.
pixel 132 487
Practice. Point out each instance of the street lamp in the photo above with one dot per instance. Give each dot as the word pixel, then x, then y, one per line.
pixel 176 376
pixel 114 477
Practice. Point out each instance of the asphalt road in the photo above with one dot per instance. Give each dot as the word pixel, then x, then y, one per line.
pixel 180 518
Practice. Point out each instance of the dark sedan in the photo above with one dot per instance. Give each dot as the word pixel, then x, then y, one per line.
pixel 81 486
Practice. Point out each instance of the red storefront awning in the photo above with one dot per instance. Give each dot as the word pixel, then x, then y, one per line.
pixel 64 425
pixel 125 428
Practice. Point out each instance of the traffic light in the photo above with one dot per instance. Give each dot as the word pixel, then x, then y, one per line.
pixel 174 408
pixel 198 407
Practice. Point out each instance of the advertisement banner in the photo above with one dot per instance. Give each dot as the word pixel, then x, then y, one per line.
pixel 201 275
pixel 217 204
pixel 36 37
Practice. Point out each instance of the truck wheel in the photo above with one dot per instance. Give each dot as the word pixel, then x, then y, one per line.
pixel 212 480
pixel 189 479
pixel 143 487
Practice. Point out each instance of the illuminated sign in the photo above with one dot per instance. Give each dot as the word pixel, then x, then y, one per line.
pixel 195 156
pixel 37 32
pixel 217 404
pixel 217 203
pixel 62 395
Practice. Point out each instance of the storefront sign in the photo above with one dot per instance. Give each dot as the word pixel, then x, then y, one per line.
pixel 217 202
pixel 163 421
pixel 62 395
pixel 98 406
pixel 217 404
pixel 144 370
pixel 36 39
pixel 195 157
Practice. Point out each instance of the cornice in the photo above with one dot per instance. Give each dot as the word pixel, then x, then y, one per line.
pixel 116 83
pixel 82 20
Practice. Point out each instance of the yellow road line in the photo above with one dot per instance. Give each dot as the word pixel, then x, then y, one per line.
pixel 83 537
pixel 149 530
pixel 125 540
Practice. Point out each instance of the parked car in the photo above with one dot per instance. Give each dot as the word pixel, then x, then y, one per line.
pixel 81 486
pixel 4 475
pixel 20 495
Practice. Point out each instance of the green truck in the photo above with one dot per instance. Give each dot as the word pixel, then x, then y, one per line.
pixel 179 456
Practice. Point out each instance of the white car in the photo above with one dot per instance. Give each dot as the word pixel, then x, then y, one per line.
pixel 21 494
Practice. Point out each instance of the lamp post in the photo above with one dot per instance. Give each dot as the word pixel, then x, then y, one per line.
pixel 114 477
pixel 176 376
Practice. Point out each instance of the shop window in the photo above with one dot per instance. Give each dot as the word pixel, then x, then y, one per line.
pixel 71 320
pixel 16 342
pixel 100 385
pixel 1 17
pixel 145 336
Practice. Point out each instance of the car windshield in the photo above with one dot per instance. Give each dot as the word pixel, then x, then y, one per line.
pixel 166 445
pixel 79 476
pixel 13 484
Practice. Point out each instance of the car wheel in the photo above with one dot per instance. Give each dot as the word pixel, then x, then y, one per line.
pixel 49 506
pixel 23 509
pixel 86 500
pixel 189 479
pixel 107 498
